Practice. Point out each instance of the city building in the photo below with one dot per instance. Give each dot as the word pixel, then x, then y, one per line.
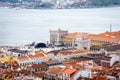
pixel 31 58
pixel 67 54
pixel 39 67
pixel 81 43
pixel 86 40
pixel 76 62
pixel 17 52
pixel 75 40
pixel 104 38
pixel 56 36
pixel 69 39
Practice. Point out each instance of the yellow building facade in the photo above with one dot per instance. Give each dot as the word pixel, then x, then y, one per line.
pixel 6 59
pixel 95 39
pixel 98 43
pixel 68 41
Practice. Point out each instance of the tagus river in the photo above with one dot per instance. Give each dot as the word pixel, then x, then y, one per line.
pixel 27 25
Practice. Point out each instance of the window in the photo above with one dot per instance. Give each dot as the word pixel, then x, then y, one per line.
pixel 76 45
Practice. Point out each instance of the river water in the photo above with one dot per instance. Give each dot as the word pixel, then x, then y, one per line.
pixel 23 26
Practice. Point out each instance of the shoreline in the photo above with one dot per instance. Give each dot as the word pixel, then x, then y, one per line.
pixel 9 41
pixel 17 8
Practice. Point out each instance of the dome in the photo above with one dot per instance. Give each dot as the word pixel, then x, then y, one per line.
pixel 40 45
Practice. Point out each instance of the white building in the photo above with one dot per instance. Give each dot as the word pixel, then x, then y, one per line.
pixel 56 36
pixel 81 43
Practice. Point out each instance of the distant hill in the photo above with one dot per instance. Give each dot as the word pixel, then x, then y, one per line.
pixel 66 3
pixel 105 2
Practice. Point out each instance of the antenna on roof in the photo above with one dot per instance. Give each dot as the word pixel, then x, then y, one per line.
pixel 110 29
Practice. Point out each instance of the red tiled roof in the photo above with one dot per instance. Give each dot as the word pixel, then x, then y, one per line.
pixel 69 71
pixel 117 64
pixel 94 75
pixel 1 73
pixel 74 65
pixel 54 70
pixel 96 68
pixel 41 75
pixel 37 55
pixel 68 52
pixel 107 36
pixel 10 79
pixel 72 35
pixel 1 68
pixel 1 52
pixel 102 78
pixel 52 62
pixel 22 58
pixel 15 71
pixel 36 66
pixel 110 37
pixel 8 71
pixel 72 76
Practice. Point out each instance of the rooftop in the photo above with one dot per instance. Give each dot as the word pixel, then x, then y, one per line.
pixel 36 66
pixel 52 62
pixel 107 36
pixel 69 71
pixel 23 58
pixel 68 52
pixel 54 70
pixel 19 51
pixel 36 55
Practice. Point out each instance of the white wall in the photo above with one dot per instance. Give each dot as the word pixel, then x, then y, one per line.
pixel 114 59
pixel 86 73
pixel 77 75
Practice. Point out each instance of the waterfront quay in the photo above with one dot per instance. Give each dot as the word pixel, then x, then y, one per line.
pixel 67 56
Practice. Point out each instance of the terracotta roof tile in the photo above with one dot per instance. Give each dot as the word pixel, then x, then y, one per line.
pixel 69 52
pixel 94 75
pixel 72 35
pixel 107 36
pixel 37 55
pixel 43 59
pixel 74 65
pixel 110 37
pixel 23 58
pixel 72 76
pixel 69 71
pixel 41 75
pixel 1 52
pixel 96 67
pixel 8 71
pixel 1 68
pixel 52 62
pixel 102 78
pixel 54 70
pixel 36 66
pixel 10 79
